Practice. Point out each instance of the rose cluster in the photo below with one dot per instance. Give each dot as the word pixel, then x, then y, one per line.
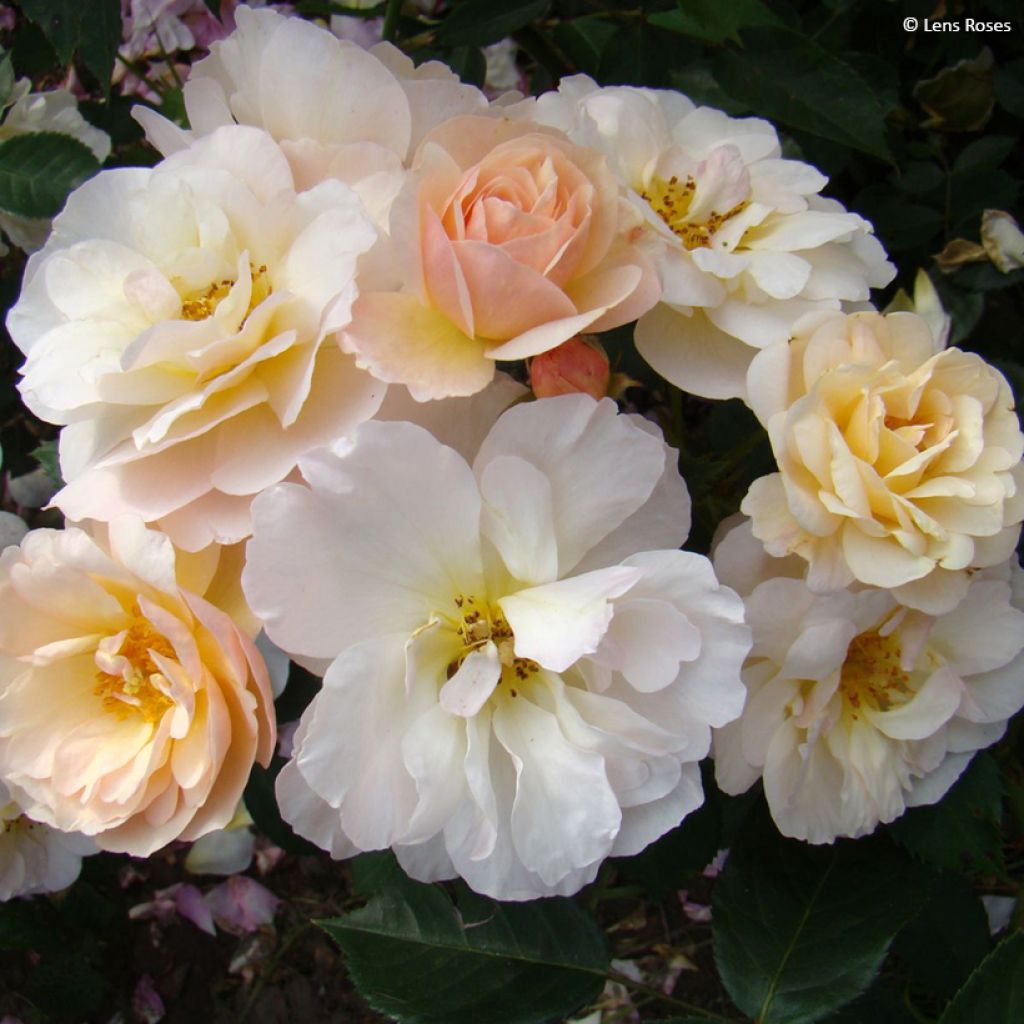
pixel 278 361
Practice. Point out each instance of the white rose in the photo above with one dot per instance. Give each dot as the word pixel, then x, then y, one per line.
pixel 743 243
pixel 525 673
pixel 859 707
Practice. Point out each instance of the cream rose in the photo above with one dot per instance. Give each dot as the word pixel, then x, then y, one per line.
pixel 276 73
pixel 899 462
pixel 131 709
pixel 509 240
pixel 857 707
pixel 181 322
pixel 743 243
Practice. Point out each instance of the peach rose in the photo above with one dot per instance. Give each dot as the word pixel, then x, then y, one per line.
pixel 131 709
pixel 508 240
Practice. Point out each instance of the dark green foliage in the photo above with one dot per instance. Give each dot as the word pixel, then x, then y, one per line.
pixel 423 958
pixel 39 170
pixel 962 831
pixel 995 992
pixel 800 930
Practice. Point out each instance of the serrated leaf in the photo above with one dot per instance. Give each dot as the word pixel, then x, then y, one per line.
pixel 801 930
pixel 961 831
pixel 482 22
pixel 61 22
pixel 99 38
pixel 787 77
pixel 713 20
pixel 39 169
pixel 420 958
pixel 994 993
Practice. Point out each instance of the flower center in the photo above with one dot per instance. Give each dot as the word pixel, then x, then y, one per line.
pixel 129 681
pixel 671 201
pixel 203 306
pixel 476 623
pixel 872 672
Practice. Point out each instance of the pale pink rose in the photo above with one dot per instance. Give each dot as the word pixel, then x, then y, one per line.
pixel 577 365
pixel 508 240
pixel 131 708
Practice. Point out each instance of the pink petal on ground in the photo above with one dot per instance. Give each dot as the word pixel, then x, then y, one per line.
pixel 189 903
pixel 147 1006
pixel 241 904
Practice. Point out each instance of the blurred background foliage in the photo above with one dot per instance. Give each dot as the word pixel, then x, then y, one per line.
pixel 918 130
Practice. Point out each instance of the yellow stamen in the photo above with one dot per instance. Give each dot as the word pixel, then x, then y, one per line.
pixel 873 672
pixel 475 626
pixel 133 690
pixel 671 201
pixel 201 307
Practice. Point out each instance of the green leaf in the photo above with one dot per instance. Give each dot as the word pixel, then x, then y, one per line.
pixel 39 169
pixel 469 63
pixel 800 930
pixel 482 22
pixel 789 78
pixel 6 80
pixel 947 939
pixel 882 1003
pixel 416 956
pixel 994 994
pixel 99 38
pixel 962 831
pixel 583 41
pixel 1008 82
pixel 984 154
pixel 697 81
pixel 46 456
pixel 61 22
pixel 713 20
pixel 641 55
